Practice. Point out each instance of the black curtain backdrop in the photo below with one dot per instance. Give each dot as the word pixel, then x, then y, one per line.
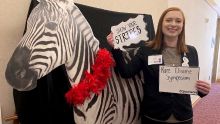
pixel 101 21
pixel 46 104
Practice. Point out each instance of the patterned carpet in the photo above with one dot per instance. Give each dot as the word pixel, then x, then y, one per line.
pixel 207 110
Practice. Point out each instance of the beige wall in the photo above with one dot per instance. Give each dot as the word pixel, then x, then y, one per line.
pixel 218 38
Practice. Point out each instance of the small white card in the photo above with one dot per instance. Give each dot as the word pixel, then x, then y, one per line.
pixel 130 32
pixel 154 59
pixel 180 80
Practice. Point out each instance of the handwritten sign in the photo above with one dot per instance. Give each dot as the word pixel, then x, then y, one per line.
pixel 180 80
pixel 130 32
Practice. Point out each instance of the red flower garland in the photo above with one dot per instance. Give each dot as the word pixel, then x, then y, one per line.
pixel 95 82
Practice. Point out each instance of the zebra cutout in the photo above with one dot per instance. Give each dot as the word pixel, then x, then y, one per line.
pixel 57 33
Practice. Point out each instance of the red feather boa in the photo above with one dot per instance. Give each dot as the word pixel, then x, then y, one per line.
pixel 92 83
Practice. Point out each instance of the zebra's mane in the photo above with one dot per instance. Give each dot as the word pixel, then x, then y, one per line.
pixel 55 0
pixel 49 9
pixel 66 2
pixel 65 5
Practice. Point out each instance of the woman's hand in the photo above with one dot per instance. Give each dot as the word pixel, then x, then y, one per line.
pixel 110 39
pixel 203 87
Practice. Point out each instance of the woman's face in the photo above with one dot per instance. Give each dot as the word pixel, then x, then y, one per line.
pixel 172 24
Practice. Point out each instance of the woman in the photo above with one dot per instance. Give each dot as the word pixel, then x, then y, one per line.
pixel 159 107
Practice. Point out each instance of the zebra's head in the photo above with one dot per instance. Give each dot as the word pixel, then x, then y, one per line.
pixel 55 30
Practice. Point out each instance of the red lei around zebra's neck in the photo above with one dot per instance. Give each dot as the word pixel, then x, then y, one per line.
pixel 93 82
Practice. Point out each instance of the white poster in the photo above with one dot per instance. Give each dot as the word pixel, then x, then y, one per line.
pixel 180 80
pixel 130 32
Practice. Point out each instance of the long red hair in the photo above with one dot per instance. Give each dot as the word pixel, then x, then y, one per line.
pixel 158 44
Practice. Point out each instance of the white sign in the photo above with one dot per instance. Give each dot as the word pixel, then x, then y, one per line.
pixel 180 80
pixel 129 32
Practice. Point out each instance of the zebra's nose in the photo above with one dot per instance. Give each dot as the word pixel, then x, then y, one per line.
pixel 17 73
pixel 20 73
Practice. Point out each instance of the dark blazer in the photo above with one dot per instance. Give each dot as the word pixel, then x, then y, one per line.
pixel 157 105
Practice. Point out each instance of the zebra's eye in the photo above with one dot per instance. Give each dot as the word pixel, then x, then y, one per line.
pixel 51 25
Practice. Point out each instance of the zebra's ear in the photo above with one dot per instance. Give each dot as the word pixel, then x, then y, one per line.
pixel 50 26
